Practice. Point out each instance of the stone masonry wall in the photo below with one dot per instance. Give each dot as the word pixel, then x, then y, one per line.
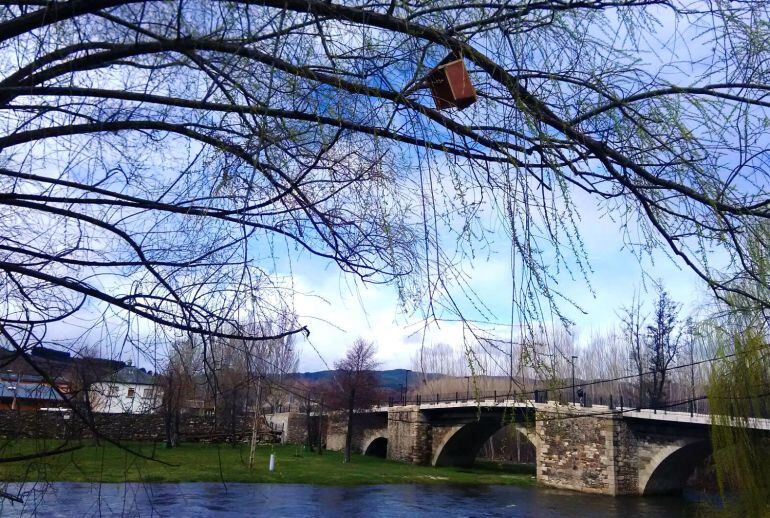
pixel 124 427
pixel 365 426
pixel 293 426
pixel 438 436
pixel 691 445
pixel 409 436
pixel 334 427
pixel 626 456
pixel 576 453
pixel 296 429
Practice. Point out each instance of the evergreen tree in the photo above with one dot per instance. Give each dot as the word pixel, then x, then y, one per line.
pixel 662 344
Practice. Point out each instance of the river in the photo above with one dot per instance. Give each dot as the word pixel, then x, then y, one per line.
pixel 288 500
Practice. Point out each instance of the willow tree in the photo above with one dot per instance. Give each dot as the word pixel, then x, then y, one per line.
pixel 157 157
pixel 739 386
pixel 739 392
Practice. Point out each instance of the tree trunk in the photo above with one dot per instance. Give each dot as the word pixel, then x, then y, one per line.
pixel 320 427
pixel 169 441
pixel 655 392
pixel 308 426
pixel 167 414
pixel 349 434
pixel 233 411
pixel 518 447
pixel 177 419
pixel 662 399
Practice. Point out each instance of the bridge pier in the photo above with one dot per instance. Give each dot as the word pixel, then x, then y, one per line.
pixel 590 454
pixel 409 435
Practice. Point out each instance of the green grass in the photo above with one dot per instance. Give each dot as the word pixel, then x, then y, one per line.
pixel 220 462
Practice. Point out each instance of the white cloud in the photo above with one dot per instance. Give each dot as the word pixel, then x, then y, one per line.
pixel 338 310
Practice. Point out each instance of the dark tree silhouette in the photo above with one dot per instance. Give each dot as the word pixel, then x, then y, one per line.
pixel 662 344
pixel 356 384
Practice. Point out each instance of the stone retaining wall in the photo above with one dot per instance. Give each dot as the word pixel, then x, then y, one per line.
pixel 123 427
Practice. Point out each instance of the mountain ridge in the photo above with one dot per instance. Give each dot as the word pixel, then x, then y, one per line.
pixel 393 379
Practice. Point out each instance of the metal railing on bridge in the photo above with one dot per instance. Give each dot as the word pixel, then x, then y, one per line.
pixel 622 402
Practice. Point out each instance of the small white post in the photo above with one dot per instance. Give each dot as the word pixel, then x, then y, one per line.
pixel 272 462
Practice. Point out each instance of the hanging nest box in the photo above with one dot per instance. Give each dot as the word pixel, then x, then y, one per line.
pixel 451 85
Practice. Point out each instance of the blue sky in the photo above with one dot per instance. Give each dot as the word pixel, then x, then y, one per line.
pixel 342 310
pixel 338 310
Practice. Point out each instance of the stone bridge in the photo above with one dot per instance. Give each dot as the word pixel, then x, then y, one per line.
pixel 592 450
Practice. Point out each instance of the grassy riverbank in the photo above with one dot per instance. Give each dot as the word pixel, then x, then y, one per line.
pixel 212 462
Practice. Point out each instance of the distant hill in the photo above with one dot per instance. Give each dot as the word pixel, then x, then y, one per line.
pixel 392 379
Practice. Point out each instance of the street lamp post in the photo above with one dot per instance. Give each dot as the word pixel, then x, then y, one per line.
pixel 467 388
pixel 406 384
pixel 573 379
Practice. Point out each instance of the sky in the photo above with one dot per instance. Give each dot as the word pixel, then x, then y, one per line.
pixel 338 310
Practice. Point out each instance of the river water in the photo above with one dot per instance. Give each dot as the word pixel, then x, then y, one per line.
pixel 289 500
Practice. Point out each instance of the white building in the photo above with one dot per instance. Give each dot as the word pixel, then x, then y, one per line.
pixel 128 391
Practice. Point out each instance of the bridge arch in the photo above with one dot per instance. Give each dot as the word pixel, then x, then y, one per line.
pixel 376 447
pixel 669 468
pixel 460 444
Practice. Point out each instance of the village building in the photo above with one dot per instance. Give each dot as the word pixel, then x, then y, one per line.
pixel 27 392
pixel 100 384
pixel 131 390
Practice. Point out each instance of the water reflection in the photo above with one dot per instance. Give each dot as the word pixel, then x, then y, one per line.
pixel 288 500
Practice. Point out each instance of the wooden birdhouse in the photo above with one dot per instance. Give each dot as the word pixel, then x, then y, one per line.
pixel 451 85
